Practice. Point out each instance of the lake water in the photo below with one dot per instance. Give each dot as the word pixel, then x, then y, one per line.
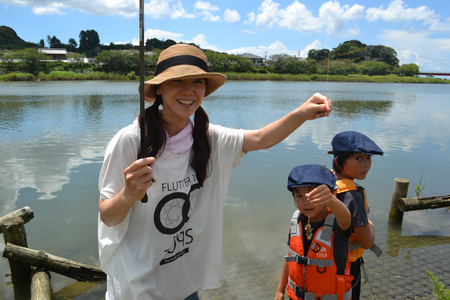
pixel 53 136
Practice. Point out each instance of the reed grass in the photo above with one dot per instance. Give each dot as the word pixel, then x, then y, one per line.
pixel 68 75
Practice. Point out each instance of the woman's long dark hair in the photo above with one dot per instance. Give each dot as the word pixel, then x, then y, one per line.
pixel 155 138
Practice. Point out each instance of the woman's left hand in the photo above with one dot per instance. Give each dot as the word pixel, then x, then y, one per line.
pixel 317 106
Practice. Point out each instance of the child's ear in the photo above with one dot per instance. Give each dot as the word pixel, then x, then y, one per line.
pixel 335 162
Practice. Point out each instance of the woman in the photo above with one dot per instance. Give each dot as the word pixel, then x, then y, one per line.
pixel 171 246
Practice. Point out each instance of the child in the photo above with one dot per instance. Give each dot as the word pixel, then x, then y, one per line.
pixel 317 264
pixel 352 160
pixel 171 246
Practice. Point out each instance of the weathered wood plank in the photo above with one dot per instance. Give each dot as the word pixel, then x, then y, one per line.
pixel 25 213
pixel 414 203
pixel 42 259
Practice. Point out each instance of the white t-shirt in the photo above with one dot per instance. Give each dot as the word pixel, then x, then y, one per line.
pixel 171 246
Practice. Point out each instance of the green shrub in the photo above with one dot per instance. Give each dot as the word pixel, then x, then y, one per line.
pixel 438 288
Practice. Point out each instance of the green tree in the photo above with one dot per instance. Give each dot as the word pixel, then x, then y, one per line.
pixel 9 40
pixel 382 53
pixel 153 43
pixel 218 62
pixel 89 41
pixel 77 61
pixel 287 64
pixel 352 50
pixel 32 60
pixel 54 42
pixel 7 61
pixel 372 68
pixel 318 55
pixel 407 70
pixel 72 46
pixel 239 64
pixel 122 61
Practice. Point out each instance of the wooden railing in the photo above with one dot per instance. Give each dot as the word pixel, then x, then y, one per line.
pixel 401 204
pixel 30 269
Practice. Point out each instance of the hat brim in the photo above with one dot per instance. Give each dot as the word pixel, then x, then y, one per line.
pixel 213 80
pixel 368 153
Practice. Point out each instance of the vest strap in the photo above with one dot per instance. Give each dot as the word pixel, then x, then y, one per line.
pixel 375 249
pixel 302 260
pixel 295 228
pixel 302 294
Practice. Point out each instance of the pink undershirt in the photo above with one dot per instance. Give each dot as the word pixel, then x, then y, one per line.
pixel 179 143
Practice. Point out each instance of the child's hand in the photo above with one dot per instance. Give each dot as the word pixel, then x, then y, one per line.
pixel 320 195
pixel 279 296
pixel 323 195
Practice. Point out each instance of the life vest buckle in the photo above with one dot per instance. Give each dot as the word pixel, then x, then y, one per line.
pixel 299 292
pixel 302 260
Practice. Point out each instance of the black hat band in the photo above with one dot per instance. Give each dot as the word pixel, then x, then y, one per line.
pixel 181 60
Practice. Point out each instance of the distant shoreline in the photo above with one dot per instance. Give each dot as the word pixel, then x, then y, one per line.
pixel 66 75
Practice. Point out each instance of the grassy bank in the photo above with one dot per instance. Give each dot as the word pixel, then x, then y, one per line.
pixel 64 75
pixel 334 78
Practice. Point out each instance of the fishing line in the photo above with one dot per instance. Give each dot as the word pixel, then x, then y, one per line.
pixel 326 90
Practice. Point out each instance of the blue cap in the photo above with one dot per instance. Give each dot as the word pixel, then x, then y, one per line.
pixel 352 141
pixel 311 175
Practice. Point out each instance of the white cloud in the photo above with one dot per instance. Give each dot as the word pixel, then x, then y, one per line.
pixel 397 11
pixel 314 45
pixel 231 15
pixel 200 41
pixel 410 49
pixel 264 51
pixel 251 17
pixel 162 8
pixel 205 9
pixel 249 31
pixel 336 17
pixel 202 5
pixel 268 13
pixel 52 9
pixel 297 16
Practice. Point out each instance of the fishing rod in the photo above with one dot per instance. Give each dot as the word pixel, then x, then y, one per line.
pixel 141 86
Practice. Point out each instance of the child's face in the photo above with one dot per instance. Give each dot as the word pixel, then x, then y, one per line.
pixel 357 166
pixel 315 211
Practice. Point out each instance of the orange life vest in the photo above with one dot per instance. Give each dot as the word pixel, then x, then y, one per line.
pixel 356 251
pixel 313 276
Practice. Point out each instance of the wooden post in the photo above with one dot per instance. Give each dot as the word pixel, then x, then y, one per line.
pixel 393 239
pixel 400 191
pixel 41 288
pixel 13 228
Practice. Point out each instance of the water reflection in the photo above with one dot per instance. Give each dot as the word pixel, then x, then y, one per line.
pixel 349 109
pixel 395 240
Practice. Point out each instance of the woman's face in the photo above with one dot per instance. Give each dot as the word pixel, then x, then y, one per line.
pixel 181 97
pixel 357 166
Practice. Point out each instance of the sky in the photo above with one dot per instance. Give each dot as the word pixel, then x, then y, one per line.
pixel 419 31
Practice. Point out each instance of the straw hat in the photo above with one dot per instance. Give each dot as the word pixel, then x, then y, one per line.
pixel 182 61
